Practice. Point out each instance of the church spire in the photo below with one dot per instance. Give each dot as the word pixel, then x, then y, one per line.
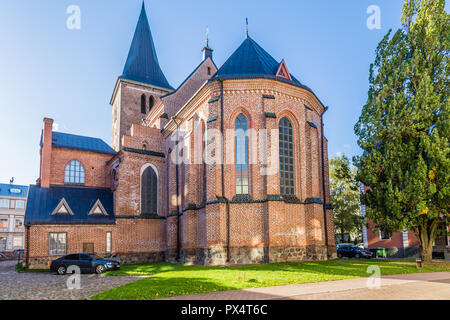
pixel 207 51
pixel 142 63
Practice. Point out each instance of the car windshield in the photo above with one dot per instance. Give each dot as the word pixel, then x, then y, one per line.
pixel 97 257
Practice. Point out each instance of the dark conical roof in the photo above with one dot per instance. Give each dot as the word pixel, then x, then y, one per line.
pixel 142 63
pixel 250 60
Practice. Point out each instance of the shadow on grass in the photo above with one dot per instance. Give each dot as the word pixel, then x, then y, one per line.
pixel 170 280
pixel 355 267
pixel 160 287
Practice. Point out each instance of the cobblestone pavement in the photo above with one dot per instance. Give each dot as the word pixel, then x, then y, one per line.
pixel 434 285
pixel 49 286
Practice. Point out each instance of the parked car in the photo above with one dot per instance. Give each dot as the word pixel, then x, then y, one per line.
pixel 360 245
pixel 88 263
pixel 2 257
pixel 350 251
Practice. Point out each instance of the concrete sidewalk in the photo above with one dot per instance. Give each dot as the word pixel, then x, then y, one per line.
pixel 403 286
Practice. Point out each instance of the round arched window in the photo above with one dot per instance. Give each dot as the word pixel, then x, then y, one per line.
pixel 74 173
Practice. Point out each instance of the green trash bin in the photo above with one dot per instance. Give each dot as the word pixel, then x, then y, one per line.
pixel 381 253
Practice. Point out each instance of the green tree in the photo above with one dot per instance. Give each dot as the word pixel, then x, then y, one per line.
pixel 345 198
pixel 404 126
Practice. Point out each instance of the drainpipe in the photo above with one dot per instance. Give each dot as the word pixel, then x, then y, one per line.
pixel 323 183
pixel 177 193
pixel 227 204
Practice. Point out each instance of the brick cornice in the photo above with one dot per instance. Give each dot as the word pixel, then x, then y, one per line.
pixel 274 88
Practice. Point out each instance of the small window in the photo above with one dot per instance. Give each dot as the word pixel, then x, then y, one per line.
pixel 62 208
pixel 209 71
pixel 98 209
pixel 3 242
pixel 108 242
pixel 88 247
pixel 57 244
pixel 4 203
pixel 384 235
pixel 4 223
pixel 74 173
pixel 151 103
pixel 19 223
pixel 20 204
pixel 18 242
pixel 143 104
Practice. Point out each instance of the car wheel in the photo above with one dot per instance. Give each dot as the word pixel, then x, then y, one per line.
pixel 61 270
pixel 357 256
pixel 100 269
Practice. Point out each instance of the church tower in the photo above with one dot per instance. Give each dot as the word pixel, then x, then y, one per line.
pixel 141 84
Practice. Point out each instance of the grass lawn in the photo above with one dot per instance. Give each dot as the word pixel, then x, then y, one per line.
pixel 170 280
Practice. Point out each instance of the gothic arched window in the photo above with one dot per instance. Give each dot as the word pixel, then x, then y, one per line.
pixel 151 102
pixel 143 104
pixel 241 154
pixel 74 173
pixel 149 191
pixel 286 146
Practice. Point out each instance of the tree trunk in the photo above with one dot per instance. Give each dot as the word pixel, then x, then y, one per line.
pixel 426 251
pixel 427 234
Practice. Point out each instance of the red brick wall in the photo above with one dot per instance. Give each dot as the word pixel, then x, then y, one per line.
pixel 94 164
pixel 396 240
pixel 128 193
pixel 126 105
pixel 128 236
pixel 250 223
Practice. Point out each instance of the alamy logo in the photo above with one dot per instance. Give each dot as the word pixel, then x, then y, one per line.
pixel 74 20
pixel 74 280
pixel 374 20
pixel 240 148
pixel 374 281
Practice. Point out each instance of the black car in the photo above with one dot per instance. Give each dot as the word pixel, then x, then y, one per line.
pixel 88 263
pixel 350 251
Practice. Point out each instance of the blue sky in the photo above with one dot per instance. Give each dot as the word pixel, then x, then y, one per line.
pixel 69 75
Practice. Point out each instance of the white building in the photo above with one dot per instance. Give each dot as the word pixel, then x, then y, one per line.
pixel 12 210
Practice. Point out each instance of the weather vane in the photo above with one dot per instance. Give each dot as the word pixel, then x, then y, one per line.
pixel 207 36
pixel 246 22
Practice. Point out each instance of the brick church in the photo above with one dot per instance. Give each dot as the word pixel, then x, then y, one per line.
pixel 229 168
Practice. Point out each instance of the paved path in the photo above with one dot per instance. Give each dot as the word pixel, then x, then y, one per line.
pixel 405 286
pixel 49 286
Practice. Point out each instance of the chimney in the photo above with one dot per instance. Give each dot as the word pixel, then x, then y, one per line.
pixel 207 52
pixel 46 152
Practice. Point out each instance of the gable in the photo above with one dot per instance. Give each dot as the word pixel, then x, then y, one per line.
pixel 62 208
pixel 98 209
pixel 283 71
pixel 174 101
